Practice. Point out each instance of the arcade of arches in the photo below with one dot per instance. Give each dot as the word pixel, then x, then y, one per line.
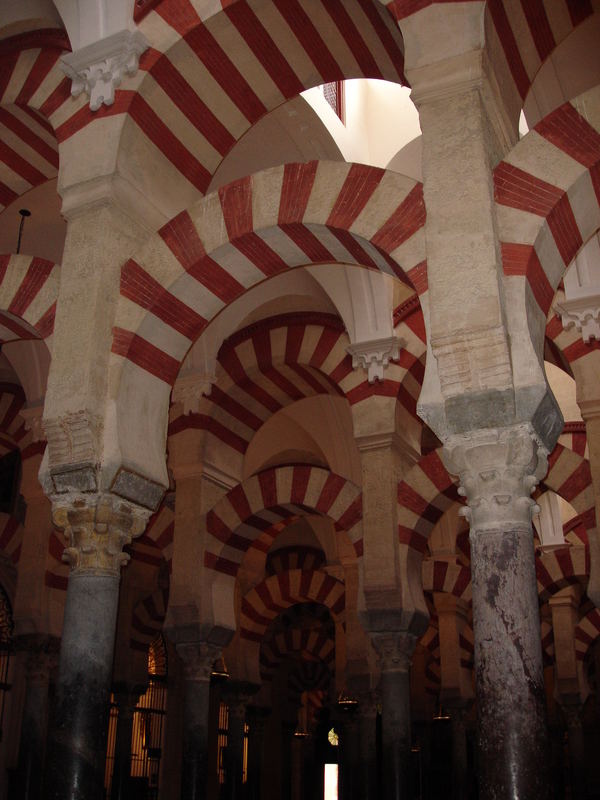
pixel 299 399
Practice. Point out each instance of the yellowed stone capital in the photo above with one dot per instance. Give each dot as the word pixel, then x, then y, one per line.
pixel 96 529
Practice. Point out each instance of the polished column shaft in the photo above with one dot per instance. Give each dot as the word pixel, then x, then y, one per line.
pixel 395 652
pixel 197 659
pixel 77 747
pixel 96 528
pixel 498 470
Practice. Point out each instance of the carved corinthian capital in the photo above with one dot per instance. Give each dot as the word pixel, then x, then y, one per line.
pixel 395 650
pixel 197 659
pixel 96 529
pixel 498 470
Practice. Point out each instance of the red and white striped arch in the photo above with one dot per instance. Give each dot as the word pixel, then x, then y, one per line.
pixel 147 619
pixel 270 365
pixel 574 438
pixel 213 70
pixel 299 642
pixel 34 100
pixel 275 594
pixel 13 434
pixel 560 568
pixel 301 557
pixel 586 633
pixel 442 576
pixel 520 35
pixel 257 504
pixel 293 215
pixel 160 531
pixel 566 346
pixel 431 642
pixel 28 292
pixel 11 537
pixel 547 193
pixel 424 496
pixel 569 476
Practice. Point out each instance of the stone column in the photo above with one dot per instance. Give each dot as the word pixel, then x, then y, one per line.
pixel 256 719
pixel 460 763
pixel 576 751
pixel 498 470
pixel 348 774
pixel 395 652
pixel 96 528
pixel 367 742
pixel 287 737
pixel 40 657
pixel 126 698
pixel 197 659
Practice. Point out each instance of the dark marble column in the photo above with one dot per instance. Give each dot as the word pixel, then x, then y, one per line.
pixel 459 754
pixel 348 775
pixel 395 652
pixel 38 655
pixel 367 736
pixel 197 659
pixel 126 699
pixel 498 471
pixel 96 530
pixel 287 736
pixel 256 720
pixel 576 751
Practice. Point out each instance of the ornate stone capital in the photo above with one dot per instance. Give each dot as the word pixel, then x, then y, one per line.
pixel 98 68
pixel 395 650
pixel 583 313
pixel 374 356
pixel 96 529
pixel 197 659
pixel 498 470
pixel 190 389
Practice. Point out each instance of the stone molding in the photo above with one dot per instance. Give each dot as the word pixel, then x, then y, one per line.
pixel 498 468
pixel 190 390
pixel 198 659
pixel 394 650
pixel 583 313
pixel 96 528
pixel 98 68
pixel 374 356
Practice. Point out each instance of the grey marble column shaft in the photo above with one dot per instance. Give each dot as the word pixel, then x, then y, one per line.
pixel 367 735
pixel 499 468
pixel 77 747
pixel 395 651
pixel 512 736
